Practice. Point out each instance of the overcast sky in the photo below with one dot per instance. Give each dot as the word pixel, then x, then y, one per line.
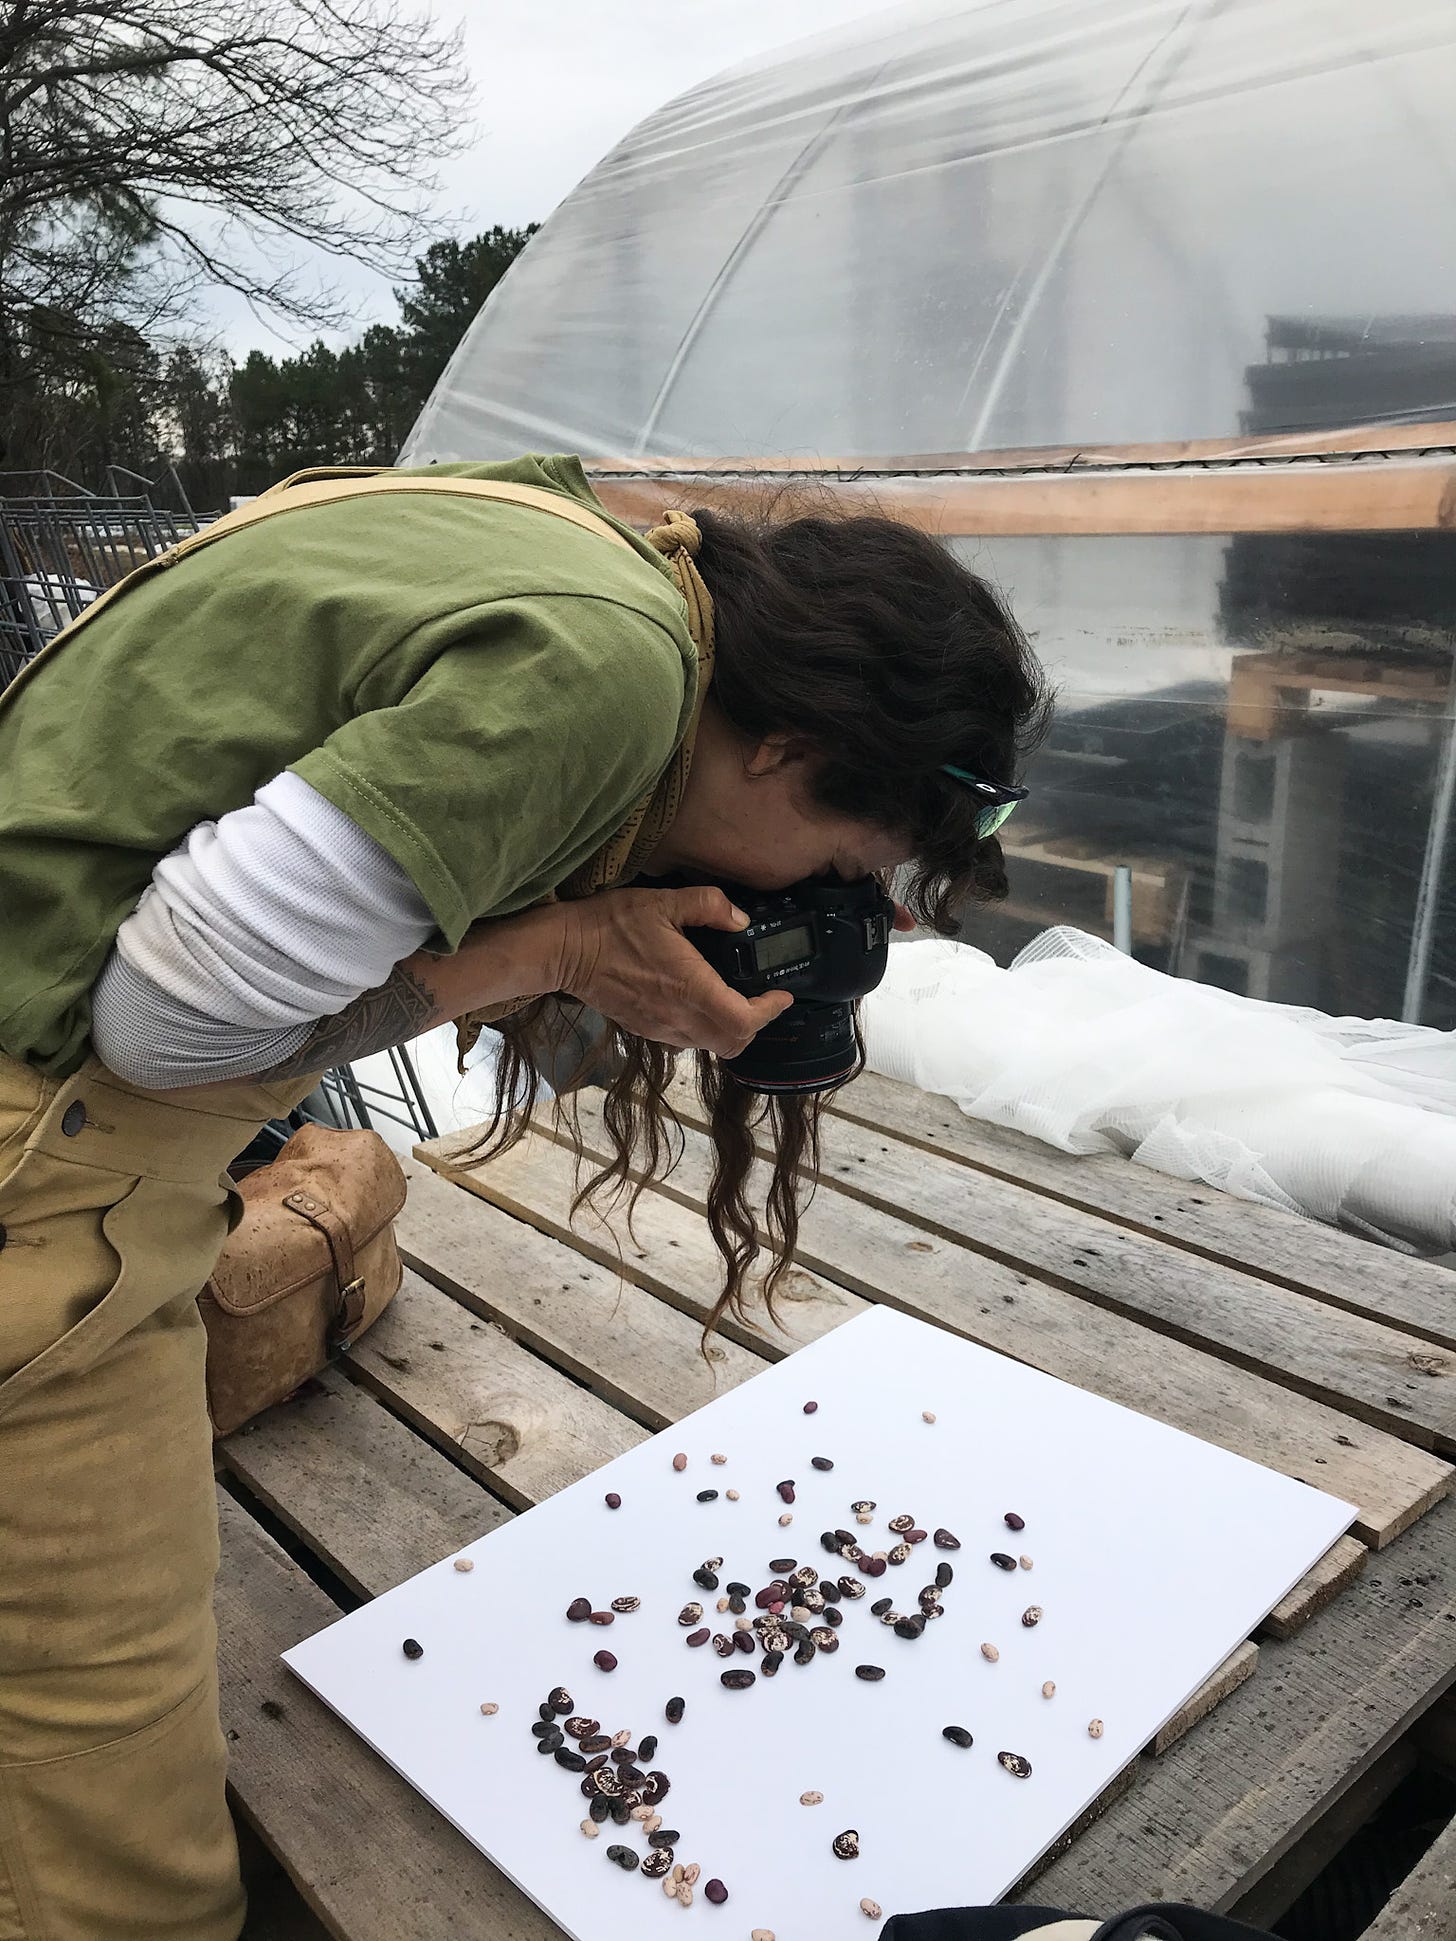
pixel 558 83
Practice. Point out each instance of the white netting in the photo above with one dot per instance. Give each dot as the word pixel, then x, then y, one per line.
pixel 1347 1120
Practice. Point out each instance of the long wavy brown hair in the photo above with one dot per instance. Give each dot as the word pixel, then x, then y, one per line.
pixel 873 644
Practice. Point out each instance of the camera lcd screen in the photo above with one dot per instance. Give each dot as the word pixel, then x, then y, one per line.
pixel 785 947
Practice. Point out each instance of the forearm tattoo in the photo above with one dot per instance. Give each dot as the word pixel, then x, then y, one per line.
pixel 399 1009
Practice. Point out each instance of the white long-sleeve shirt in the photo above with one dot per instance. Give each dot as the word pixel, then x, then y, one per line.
pixel 255 927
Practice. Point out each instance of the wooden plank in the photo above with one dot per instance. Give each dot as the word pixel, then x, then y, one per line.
pixel 632 1349
pixel 1415 1295
pixel 887 1259
pixel 1238 1666
pixel 1365 1368
pixel 672 1255
pixel 1215 1815
pixel 372 1859
pixel 1423 1907
pixel 1400 494
pixel 1339 1566
pixel 1282 444
pixel 366 1494
pixel 504 1416
pixel 1118 1788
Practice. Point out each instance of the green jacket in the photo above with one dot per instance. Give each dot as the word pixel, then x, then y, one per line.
pixel 486 689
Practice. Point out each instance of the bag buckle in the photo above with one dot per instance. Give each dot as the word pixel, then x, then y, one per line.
pixel 350 1314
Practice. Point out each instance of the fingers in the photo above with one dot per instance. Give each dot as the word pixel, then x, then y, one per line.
pixel 703 905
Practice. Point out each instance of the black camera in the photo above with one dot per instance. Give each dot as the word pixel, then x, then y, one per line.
pixel 824 941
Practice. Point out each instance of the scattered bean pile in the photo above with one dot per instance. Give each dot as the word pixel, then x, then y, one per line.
pixel 796 1613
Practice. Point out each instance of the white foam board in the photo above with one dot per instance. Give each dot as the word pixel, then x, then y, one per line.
pixel 1154 1555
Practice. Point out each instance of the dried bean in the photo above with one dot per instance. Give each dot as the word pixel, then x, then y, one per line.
pixel 657 1863
pixel 579 1610
pixel 600 1806
pixel 829 1590
pixel 1013 1521
pixel 720 1460
pixel 943 1540
pixel 1002 1562
pixel 596 1742
pixel 612 1500
pixel 814 1602
pixel 851 1587
pixel 899 1555
pixel 596 1762
pixel 622 1810
pixel 559 1700
pixel 581 1727
pixel 731 1494
pixel 716 1892
pixel 572 1761
pixel 900 1524
pixel 1031 1616
pixel 553 1744
pixel 781 1564
pixel 786 1519
pixel 673 1710
pixel 413 1648
pixel 873 1566
pixel 679 1462
pixel 700 1636
pixel 745 1641
pixel 590 1829
pixel 1018 1767
pixel 602 1617
pixel 1026 1563
pixel 490 1708
pixel 658 1786
pixel 846 1844
pixel 737 1606
pixel 1094 1729
pixel 990 1653
pixel 828 1541
pixel 871 1674
pixel 864 1507
pixel 958 1736
pixel 833 1617
pixel 820 1462
pixel 805 1654
pixel 927 1415
pixel 811 1408
pixel 766 1934
pixel 910 1627
pixel 690 1874
pixel 647 1751
pixel 666 1836
pixel 930 1602
pixel 1049 1690
pixel 463 1564
pixel 786 1491
pixel 689 1615
pixel 811 1799
pixel 604 1661
pixel 705 1579
pixel 823 1638
pixel 872 1908
pixel 707 1496
pixel 607 1783
pixel 916 1536
pixel 880 1606
pixel 624 1858
pixel 770 1662
pixel 736 1681
pixel 723 1644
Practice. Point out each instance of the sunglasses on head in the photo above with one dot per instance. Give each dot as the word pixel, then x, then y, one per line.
pixel 997 800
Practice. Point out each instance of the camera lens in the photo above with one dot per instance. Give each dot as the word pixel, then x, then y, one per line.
pixel 811 1047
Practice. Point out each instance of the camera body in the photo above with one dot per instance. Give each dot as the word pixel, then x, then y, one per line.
pixel 825 942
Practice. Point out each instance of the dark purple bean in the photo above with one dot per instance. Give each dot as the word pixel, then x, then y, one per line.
pixel 1002 1562
pixel 1013 1521
pixel 413 1648
pixel 915 1536
pixel 612 1500
pixel 700 1636
pixel 597 1742
pixel 665 1836
pixel 829 1590
pixel 945 1541
pixel 833 1616
pixel 786 1491
pixel 871 1674
pixel 873 1566
pixel 548 1712
pixel 739 1590
pixel 604 1661
pixel 744 1640
pixel 579 1610
pixel 805 1653
pixel 674 1709
pixel 705 1580
pixel 909 1627
pixel 581 1727
pixel 647 1751
pixel 820 1462
pixel 596 1762
pixel 811 1408
pixel 559 1699
pixel 828 1541
pixel 779 1565
pixel 602 1617
pixel 599 1808
pixel 621 1810
pixel 770 1662
pixel 958 1736
pixel 880 1606
pixel 707 1496
pixel 572 1761
pixel 716 1892
pixel 736 1681
pixel 943 1575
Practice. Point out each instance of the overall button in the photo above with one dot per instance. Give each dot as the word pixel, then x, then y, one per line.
pixel 73 1118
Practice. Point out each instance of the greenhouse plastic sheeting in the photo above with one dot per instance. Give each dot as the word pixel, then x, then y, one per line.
pixel 1020 222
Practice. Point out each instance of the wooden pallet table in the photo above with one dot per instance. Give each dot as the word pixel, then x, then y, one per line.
pixel 526 1349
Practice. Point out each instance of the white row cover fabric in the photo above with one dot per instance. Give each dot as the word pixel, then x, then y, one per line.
pixel 972 224
pixel 1346 1120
